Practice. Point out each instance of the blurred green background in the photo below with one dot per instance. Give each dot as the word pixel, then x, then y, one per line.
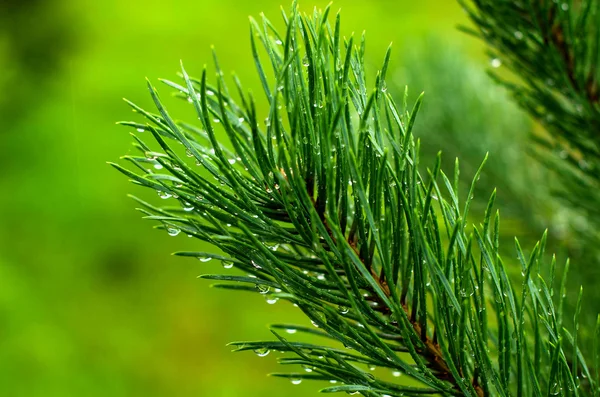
pixel 91 302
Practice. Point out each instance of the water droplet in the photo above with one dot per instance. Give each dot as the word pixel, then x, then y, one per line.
pixel 564 6
pixel 158 166
pixel 263 352
pixel 216 120
pixel 256 265
pixel 519 35
pixel 271 300
pixel 296 381
pixel 140 129
pixel 496 63
pixel 278 42
pixel 584 165
pixel 396 374
pixel 231 161
pixel 227 265
pixel 241 120
pixel 210 93
pixel 164 195
pixel 343 309
pixel 189 153
pixel 314 323
pixel 173 231
pixel 291 330
pixel 188 207
pixel 263 289
pixel 204 258
pixel 563 154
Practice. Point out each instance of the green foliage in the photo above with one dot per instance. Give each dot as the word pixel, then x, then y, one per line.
pixel 553 48
pixel 323 204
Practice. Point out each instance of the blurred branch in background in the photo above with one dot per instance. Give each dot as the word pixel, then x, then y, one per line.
pixel 551 49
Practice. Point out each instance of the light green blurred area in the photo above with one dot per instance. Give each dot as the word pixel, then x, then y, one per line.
pixel 91 302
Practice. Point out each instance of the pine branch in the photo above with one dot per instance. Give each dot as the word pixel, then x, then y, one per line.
pixel 553 49
pixel 324 205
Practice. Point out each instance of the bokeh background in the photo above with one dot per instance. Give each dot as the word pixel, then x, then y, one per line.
pixel 91 302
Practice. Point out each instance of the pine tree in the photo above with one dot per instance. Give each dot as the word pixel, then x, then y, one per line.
pixel 323 203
